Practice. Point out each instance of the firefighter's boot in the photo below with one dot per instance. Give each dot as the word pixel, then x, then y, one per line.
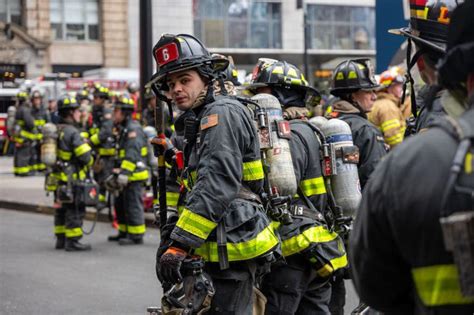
pixel 60 241
pixel 75 245
pixel 136 240
pixel 118 237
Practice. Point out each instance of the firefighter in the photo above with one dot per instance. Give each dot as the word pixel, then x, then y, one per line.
pixel 131 175
pixel 101 136
pixel 24 136
pixel 223 221
pixel 428 32
pixel 74 161
pixel 41 117
pixel 398 254
pixel 386 114
pixel 301 285
pixel 354 84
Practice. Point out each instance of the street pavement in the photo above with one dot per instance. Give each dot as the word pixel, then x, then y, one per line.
pixel 37 279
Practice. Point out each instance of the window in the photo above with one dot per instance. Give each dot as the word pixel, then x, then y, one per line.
pixel 341 27
pixel 10 11
pixel 74 20
pixel 238 23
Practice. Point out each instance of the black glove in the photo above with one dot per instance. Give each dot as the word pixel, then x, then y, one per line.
pixel 170 264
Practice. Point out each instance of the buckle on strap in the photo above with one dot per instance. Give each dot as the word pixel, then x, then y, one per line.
pixel 298 210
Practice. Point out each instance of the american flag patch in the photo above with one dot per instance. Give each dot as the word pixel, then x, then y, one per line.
pixel 209 121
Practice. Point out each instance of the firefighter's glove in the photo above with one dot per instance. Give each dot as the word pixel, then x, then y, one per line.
pixel 122 181
pixel 170 264
pixel 163 146
pixel 111 183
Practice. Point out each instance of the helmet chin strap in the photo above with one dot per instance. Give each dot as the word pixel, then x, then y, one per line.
pixel 409 79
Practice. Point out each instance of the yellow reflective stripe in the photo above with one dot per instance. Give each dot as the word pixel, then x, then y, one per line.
pixel 18 139
pixel 155 201
pixel 64 155
pixel 172 198
pixel 398 138
pixel 313 186
pixel 136 229
pixel 28 135
pixel 39 136
pixel 468 163
pixel 95 139
pixel 62 177
pixel 84 135
pixel 21 170
pixel 59 229
pixel 253 170
pixel 106 151
pixel 315 234
pixel 102 198
pixel 195 224
pixel 144 151
pixel 122 228
pixel 439 285
pixel 142 175
pixel 128 165
pixel 121 153
pixel 339 262
pixel 180 209
pixel 390 124
pixel 94 130
pixel 82 149
pixel 40 122
pixel 75 232
pixel 20 122
pixel 262 243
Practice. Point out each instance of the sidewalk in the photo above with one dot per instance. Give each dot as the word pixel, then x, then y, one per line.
pixel 27 194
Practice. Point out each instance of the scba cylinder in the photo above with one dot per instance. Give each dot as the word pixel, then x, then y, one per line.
pixel 11 112
pixel 345 183
pixel 49 145
pixel 281 173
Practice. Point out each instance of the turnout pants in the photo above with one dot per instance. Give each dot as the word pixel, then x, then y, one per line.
pixel 107 165
pixel 234 288
pixel 129 207
pixel 295 288
pixel 68 221
pixel 338 296
pixel 21 161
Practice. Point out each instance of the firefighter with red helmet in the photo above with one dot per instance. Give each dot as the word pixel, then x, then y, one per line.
pixel 223 220
pixel 427 32
pixel 386 114
pixel 414 255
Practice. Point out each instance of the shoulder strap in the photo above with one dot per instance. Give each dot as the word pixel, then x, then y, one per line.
pixel 465 131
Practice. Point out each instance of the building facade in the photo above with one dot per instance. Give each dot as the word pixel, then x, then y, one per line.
pixel 249 29
pixel 79 35
pixel 62 35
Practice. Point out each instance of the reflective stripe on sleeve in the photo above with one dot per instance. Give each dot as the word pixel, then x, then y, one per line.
pixel 82 149
pixel 316 234
pixel 128 166
pixel 262 243
pixel 106 151
pixel 137 176
pixel 195 224
pixel 172 199
pixel 439 285
pixel 313 186
pixel 253 170
pixel 64 155
pixel 95 139
pixel 144 151
pixel 390 124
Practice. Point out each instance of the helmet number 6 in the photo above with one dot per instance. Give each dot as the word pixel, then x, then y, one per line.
pixel 165 54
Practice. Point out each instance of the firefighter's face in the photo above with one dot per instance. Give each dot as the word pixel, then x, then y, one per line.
pixel 76 115
pixel 396 89
pixel 36 101
pixel 184 88
pixel 119 116
pixel 98 101
pixel 365 99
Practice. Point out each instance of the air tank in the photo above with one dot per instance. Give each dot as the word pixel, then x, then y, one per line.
pixel 49 145
pixel 281 173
